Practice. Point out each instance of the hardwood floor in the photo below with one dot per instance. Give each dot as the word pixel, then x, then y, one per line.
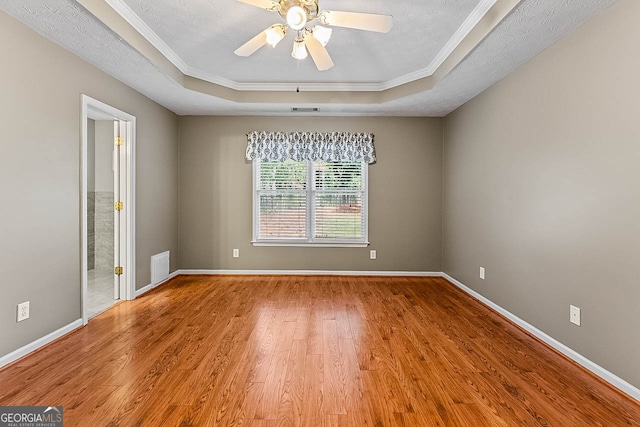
pixel 309 351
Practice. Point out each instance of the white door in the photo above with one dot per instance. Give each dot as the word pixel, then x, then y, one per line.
pixel 117 208
pixel 120 132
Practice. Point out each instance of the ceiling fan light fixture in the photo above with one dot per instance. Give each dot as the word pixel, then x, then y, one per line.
pixel 296 17
pixel 322 34
pixel 274 34
pixel 310 41
pixel 299 49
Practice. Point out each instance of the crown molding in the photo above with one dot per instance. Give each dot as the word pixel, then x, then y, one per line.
pixel 140 26
pixel 458 37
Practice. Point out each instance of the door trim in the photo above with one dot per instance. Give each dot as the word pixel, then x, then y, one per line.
pixel 94 109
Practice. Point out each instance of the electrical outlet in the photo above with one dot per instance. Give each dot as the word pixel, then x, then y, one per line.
pixel 23 311
pixel 373 254
pixel 482 273
pixel 574 315
pixel 236 253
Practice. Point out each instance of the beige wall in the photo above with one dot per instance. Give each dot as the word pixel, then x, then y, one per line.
pixel 91 155
pixel 404 196
pixel 103 156
pixel 41 86
pixel 541 187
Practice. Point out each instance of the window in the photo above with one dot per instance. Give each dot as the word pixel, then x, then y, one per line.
pixel 310 203
pixel 310 188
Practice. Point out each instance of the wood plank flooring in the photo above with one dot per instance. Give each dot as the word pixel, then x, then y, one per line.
pixel 309 351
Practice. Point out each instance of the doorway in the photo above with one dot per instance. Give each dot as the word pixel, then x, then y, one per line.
pixel 107 166
pixel 102 179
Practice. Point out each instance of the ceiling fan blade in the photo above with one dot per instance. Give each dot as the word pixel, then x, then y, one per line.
pixel 359 21
pixel 318 53
pixel 252 45
pixel 264 4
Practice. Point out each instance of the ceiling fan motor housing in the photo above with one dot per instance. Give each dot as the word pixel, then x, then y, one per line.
pixel 310 7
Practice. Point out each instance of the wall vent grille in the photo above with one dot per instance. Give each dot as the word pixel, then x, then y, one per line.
pixel 159 267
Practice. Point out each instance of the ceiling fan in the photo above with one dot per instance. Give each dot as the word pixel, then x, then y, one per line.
pixel 298 14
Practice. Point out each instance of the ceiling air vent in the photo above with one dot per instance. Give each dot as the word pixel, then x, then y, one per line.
pixel 304 109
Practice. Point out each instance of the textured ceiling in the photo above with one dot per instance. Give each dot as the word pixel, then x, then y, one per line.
pixel 199 36
pixel 204 34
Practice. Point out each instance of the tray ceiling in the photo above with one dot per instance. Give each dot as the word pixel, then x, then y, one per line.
pixel 438 55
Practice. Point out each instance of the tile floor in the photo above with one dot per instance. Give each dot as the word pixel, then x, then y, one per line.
pixel 100 291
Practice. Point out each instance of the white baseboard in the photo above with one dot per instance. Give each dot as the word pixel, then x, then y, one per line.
pixel 314 273
pixel 151 286
pixel 609 377
pixel 40 342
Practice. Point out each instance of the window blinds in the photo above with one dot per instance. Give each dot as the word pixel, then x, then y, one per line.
pixel 311 201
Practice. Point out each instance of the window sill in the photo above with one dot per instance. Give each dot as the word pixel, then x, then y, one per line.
pixel 311 244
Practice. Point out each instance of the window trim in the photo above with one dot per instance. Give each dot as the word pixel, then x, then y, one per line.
pixel 310 242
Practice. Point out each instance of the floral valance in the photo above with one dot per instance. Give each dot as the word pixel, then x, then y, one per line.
pixel 313 146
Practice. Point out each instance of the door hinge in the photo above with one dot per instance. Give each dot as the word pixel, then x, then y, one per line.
pixel 118 271
pixel 118 141
pixel 118 206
